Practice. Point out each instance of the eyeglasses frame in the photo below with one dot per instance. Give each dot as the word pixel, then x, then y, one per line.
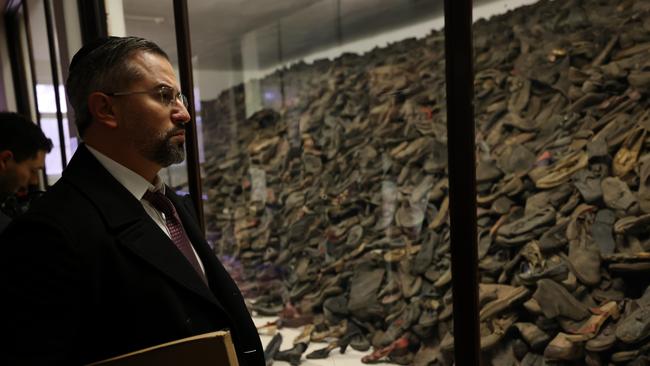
pixel 158 90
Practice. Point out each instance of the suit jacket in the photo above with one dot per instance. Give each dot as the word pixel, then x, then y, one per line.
pixel 4 221
pixel 86 274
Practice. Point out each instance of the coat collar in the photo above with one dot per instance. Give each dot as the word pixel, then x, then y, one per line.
pixel 127 220
pixel 115 203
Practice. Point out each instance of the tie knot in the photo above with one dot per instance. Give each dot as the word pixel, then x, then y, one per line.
pixel 160 202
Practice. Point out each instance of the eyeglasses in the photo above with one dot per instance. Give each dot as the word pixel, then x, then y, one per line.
pixel 167 95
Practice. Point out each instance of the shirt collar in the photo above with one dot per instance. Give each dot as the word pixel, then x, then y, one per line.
pixel 132 181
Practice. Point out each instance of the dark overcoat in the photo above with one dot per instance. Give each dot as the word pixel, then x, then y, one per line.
pixel 86 274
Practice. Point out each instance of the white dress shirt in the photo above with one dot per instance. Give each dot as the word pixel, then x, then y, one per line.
pixel 137 186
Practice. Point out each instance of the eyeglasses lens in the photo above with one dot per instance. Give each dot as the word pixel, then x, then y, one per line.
pixel 169 96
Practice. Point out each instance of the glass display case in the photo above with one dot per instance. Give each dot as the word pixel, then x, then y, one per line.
pixel 325 142
pixel 325 174
pixel 561 118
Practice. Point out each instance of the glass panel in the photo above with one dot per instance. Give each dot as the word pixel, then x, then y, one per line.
pixel 46 102
pixel 154 20
pixel 50 128
pixel 561 113
pixel 325 143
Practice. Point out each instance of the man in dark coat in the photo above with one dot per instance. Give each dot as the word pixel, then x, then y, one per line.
pixel 23 147
pixel 102 264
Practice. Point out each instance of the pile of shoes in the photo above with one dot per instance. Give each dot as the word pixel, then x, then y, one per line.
pixel 331 207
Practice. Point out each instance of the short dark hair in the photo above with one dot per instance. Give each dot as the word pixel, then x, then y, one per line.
pixel 103 65
pixel 22 137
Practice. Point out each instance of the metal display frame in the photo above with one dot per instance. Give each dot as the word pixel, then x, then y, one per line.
pixel 19 71
pixel 54 68
pixel 183 44
pixel 462 180
pixel 92 19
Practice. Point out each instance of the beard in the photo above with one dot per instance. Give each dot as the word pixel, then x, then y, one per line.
pixel 162 150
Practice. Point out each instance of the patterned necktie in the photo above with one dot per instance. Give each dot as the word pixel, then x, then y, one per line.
pixel 176 231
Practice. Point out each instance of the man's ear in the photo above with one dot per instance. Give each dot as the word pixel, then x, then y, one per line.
pixel 101 107
pixel 5 157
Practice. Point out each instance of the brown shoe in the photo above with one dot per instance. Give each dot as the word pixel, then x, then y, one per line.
pixel 562 171
pixel 626 157
pixel 496 329
pixel 617 194
pixel 565 347
pixel 536 338
pixel 555 300
pixel 644 183
pixel 635 327
pixel 584 256
pixel 604 340
pixel 592 326
pixel 507 297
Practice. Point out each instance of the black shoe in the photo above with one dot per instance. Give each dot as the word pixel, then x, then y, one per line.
pixel 292 355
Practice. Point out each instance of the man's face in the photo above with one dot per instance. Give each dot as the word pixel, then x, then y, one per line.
pixel 14 176
pixel 155 130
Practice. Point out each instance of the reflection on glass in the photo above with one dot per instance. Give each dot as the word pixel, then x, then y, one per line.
pixel 325 172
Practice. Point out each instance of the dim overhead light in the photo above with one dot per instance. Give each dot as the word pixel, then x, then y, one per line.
pixel 144 18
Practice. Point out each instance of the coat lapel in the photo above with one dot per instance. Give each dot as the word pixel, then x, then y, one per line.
pixel 132 227
pixel 221 284
pixel 145 239
pixel 194 232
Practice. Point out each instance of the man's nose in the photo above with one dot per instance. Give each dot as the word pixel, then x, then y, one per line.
pixel 181 114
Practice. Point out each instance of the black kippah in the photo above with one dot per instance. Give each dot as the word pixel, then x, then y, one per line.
pixel 87 49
